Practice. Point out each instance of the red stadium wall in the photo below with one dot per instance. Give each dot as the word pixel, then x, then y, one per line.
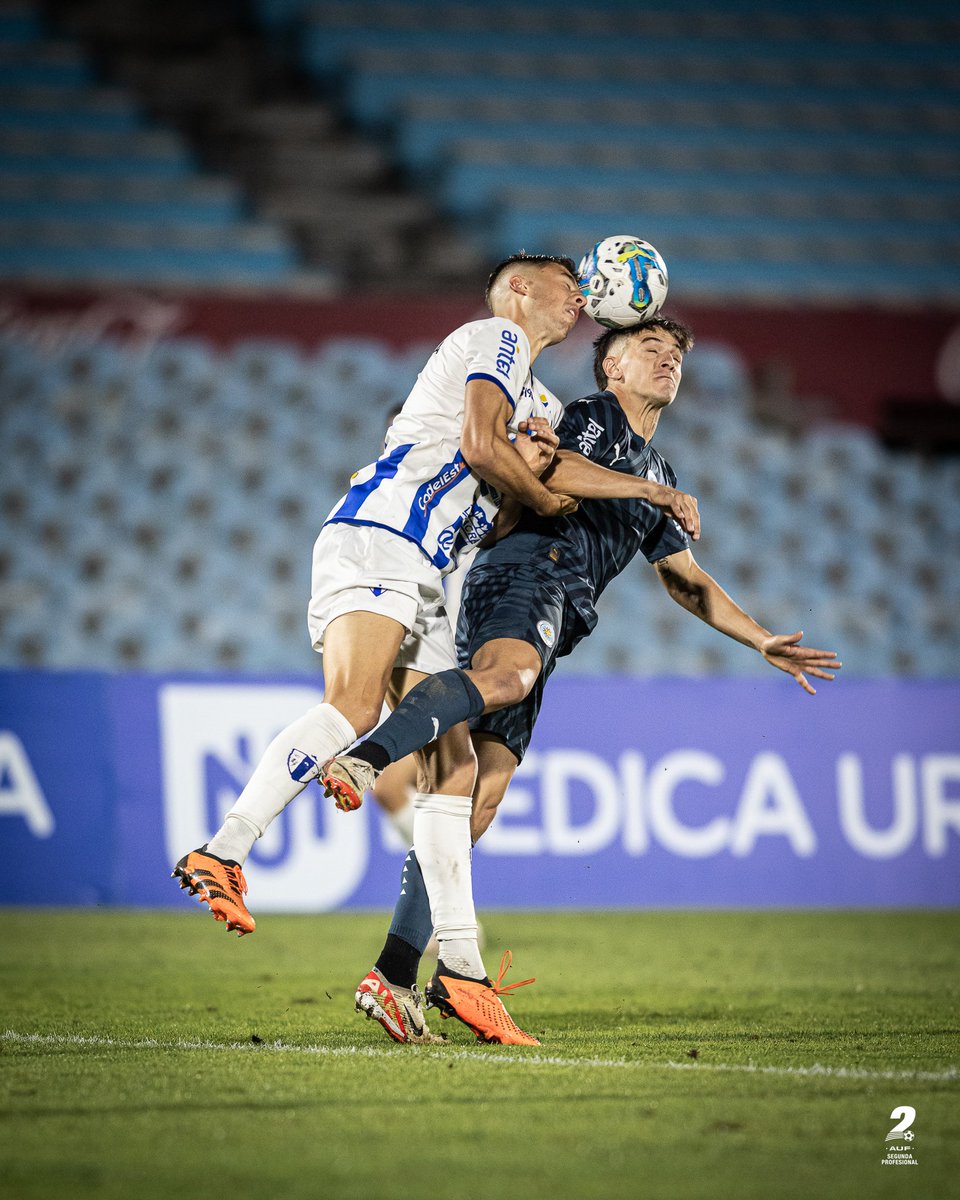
pixel 855 359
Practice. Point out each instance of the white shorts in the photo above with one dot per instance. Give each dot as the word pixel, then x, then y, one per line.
pixel 363 568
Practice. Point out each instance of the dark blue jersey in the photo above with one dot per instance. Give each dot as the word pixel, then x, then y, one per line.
pixel 594 544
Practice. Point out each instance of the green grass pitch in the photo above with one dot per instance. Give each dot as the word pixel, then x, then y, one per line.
pixel 685 1055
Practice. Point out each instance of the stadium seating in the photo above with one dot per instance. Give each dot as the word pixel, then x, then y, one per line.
pixel 91 191
pixel 766 153
pixel 158 512
pixel 158 509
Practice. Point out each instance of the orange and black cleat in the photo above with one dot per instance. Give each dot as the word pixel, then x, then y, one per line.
pixel 477 1003
pixel 218 882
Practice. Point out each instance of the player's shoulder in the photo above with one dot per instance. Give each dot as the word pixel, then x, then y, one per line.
pixel 493 328
pixel 602 408
pixel 662 467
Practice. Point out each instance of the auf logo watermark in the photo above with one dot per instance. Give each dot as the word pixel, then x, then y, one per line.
pixel 900 1154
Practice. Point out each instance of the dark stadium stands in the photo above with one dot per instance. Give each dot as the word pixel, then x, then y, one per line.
pixel 772 153
pixel 92 190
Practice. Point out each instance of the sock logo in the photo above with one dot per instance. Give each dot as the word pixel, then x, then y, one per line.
pixel 301 766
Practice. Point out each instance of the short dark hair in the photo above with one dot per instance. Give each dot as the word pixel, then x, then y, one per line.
pixel 537 260
pixel 601 347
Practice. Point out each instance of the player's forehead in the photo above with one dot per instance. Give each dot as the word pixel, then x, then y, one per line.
pixel 554 274
pixel 654 337
pixel 559 271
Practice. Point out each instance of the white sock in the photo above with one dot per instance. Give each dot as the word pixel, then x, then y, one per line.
pixel 441 838
pixel 402 821
pixel 292 759
pixel 234 839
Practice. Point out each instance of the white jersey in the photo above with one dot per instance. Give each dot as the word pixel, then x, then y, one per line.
pixel 420 487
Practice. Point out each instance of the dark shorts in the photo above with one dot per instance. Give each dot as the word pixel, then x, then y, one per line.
pixel 511 600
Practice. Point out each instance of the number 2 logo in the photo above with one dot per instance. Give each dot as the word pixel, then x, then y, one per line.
pixel 907 1117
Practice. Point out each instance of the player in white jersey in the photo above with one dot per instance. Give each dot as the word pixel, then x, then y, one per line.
pixel 421 486
pixel 377 608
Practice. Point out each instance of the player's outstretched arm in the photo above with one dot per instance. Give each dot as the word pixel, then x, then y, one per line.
pixel 574 475
pixel 699 593
pixel 489 453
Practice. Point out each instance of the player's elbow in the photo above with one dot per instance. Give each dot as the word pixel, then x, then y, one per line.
pixel 678 588
pixel 666 575
pixel 477 450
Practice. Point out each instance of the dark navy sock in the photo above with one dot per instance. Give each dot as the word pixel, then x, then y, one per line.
pixel 425 712
pixel 399 962
pixel 411 915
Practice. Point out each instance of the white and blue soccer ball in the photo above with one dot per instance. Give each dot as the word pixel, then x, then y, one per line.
pixel 624 280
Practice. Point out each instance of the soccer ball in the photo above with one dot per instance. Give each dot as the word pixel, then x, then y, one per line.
pixel 624 280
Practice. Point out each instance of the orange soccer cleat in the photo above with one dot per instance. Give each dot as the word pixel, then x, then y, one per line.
pixel 477 1003
pixel 218 882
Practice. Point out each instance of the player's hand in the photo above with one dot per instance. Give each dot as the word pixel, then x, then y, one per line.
pixel 540 429
pixel 783 651
pixel 536 444
pixel 679 505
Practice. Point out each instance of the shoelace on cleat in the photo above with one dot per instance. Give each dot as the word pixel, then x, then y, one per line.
pixel 500 988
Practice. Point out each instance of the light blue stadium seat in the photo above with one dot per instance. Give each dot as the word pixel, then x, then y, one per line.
pixel 269 362
pixel 780 158
pixel 89 190
pixel 145 464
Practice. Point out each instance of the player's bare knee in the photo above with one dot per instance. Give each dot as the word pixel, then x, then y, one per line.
pixel 502 686
pixel 517 683
pixel 362 714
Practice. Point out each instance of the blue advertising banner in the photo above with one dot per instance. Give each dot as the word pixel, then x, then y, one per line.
pixel 635 793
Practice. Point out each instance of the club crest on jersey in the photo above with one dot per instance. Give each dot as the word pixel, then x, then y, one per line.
pixel 301 766
pixel 547 632
pixel 588 439
pixel 471 526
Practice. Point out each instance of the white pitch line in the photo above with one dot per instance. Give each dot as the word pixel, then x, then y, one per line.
pixel 449 1054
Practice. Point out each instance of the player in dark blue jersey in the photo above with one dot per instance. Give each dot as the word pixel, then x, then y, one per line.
pixel 529 599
